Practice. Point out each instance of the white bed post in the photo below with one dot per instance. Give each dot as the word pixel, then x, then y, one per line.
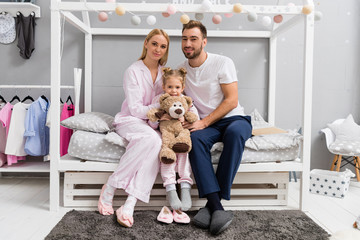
pixel 88 62
pixel 55 110
pixel 272 80
pixel 307 109
pixel 88 73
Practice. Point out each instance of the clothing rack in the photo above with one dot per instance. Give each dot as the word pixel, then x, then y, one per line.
pixel 44 166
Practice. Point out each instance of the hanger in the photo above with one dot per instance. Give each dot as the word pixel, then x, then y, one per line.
pixel 16 97
pixel 28 97
pixel 43 97
pixel 69 99
pixel 2 99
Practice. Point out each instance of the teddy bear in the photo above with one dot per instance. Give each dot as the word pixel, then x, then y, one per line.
pixel 175 138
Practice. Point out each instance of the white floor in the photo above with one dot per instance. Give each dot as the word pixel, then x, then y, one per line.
pixel 24 204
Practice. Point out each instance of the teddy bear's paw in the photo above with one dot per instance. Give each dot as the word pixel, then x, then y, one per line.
pixel 181 148
pixel 167 160
pixel 167 155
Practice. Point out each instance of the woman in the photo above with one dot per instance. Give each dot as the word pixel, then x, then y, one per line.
pixel 139 166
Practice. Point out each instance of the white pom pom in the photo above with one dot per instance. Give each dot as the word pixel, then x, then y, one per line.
pixel 206 5
pixel 252 17
pixel 266 21
pixel 318 15
pixel 136 20
pixel 151 20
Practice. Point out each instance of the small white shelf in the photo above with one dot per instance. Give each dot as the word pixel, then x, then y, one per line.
pixel 23 166
pixel 24 8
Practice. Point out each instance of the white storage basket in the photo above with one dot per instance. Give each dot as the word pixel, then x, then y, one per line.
pixel 330 183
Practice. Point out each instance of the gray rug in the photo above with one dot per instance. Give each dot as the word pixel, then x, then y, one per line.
pixel 247 225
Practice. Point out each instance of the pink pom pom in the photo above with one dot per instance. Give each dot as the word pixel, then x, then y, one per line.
pixel 228 15
pixel 217 19
pixel 165 14
pixel 103 16
pixel 278 19
pixel 171 9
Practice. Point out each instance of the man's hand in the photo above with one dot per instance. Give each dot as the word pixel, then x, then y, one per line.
pixel 198 125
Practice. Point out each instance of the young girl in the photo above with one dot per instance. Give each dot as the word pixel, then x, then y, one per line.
pixel 139 166
pixel 174 84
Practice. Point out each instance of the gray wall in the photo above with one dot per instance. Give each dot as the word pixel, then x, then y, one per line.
pixel 336 55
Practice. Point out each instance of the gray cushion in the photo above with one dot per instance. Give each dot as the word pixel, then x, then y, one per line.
pixel 93 146
pixel 91 122
pixel 345 147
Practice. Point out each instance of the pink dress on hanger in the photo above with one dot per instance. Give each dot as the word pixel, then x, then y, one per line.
pixel 65 133
pixel 5 118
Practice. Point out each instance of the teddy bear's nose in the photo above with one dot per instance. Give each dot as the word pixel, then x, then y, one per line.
pixel 178 111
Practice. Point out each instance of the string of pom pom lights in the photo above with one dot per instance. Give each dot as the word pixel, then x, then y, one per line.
pixel 265 15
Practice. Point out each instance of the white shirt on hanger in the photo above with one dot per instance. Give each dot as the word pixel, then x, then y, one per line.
pixel 16 141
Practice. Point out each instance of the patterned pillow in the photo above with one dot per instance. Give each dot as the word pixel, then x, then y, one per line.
pixel 257 121
pixel 93 146
pixel 116 139
pixel 91 121
pixel 348 130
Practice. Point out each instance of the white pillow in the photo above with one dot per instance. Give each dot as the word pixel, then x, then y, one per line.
pixel 348 130
pixel 91 122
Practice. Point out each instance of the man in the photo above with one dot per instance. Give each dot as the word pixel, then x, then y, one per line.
pixel 212 84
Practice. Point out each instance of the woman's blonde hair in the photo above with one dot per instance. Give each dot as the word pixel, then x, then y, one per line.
pixel 180 73
pixel 155 32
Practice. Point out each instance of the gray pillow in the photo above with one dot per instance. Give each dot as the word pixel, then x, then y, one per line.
pixel 93 146
pixel 91 122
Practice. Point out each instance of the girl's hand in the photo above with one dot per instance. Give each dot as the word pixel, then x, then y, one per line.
pixel 182 119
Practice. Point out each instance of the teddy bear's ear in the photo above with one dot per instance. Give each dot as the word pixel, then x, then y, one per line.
pixel 163 97
pixel 188 100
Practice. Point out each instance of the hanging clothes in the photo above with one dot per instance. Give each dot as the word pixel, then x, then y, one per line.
pixel 25 30
pixel 36 132
pixel 3 159
pixel 48 117
pixel 5 119
pixel 2 133
pixel 15 144
pixel 65 133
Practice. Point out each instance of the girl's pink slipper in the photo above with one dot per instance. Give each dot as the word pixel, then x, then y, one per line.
pixel 123 219
pixel 165 215
pixel 181 217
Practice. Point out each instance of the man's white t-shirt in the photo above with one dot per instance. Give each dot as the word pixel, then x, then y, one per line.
pixel 203 83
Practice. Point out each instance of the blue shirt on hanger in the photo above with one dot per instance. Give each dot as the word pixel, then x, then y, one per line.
pixel 36 132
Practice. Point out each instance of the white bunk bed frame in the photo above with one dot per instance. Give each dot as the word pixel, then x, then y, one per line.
pixel 59 9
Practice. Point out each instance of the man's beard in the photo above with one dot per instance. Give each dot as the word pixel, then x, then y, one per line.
pixel 195 54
